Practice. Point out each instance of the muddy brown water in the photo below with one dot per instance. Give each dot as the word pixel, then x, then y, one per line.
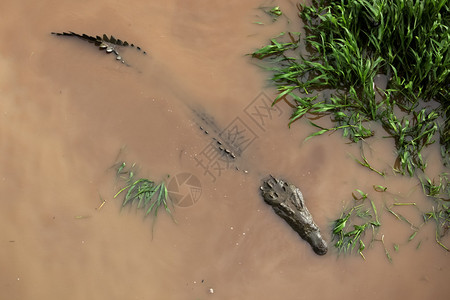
pixel 67 109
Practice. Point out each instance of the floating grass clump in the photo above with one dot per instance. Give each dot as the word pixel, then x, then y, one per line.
pixel 273 12
pixel 148 194
pixel 350 228
pixel 372 61
pixel 440 193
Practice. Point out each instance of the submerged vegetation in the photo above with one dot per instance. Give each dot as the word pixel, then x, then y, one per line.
pixel 148 195
pixel 350 228
pixel 380 61
pixel 273 12
pixel 440 193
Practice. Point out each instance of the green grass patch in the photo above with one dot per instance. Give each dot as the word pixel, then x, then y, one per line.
pixel 349 230
pixel 440 193
pixel 349 43
pixel 147 195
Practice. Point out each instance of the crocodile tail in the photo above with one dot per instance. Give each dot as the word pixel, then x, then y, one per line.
pixel 100 41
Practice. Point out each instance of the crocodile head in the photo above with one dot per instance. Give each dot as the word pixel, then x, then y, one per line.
pixel 287 202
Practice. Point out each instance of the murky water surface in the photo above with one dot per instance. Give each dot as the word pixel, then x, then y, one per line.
pixel 67 109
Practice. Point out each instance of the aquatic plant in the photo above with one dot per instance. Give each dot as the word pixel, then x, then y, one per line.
pixel 440 193
pixel 148 195
pixel 352 42
pixel 351 45
pixel 350 228
pixel 273 12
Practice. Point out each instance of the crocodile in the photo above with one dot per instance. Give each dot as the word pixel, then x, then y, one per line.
pixel 287 202
pixel 206 123
pixel 223 145
pixel 285 199
pixel 109 44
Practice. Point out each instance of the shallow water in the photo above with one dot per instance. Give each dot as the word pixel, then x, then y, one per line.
pixel 67 109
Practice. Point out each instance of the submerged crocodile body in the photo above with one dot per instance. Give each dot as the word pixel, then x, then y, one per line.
pixel 205 122
pixel 109 44
pixel 222 143
pixel 287 202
